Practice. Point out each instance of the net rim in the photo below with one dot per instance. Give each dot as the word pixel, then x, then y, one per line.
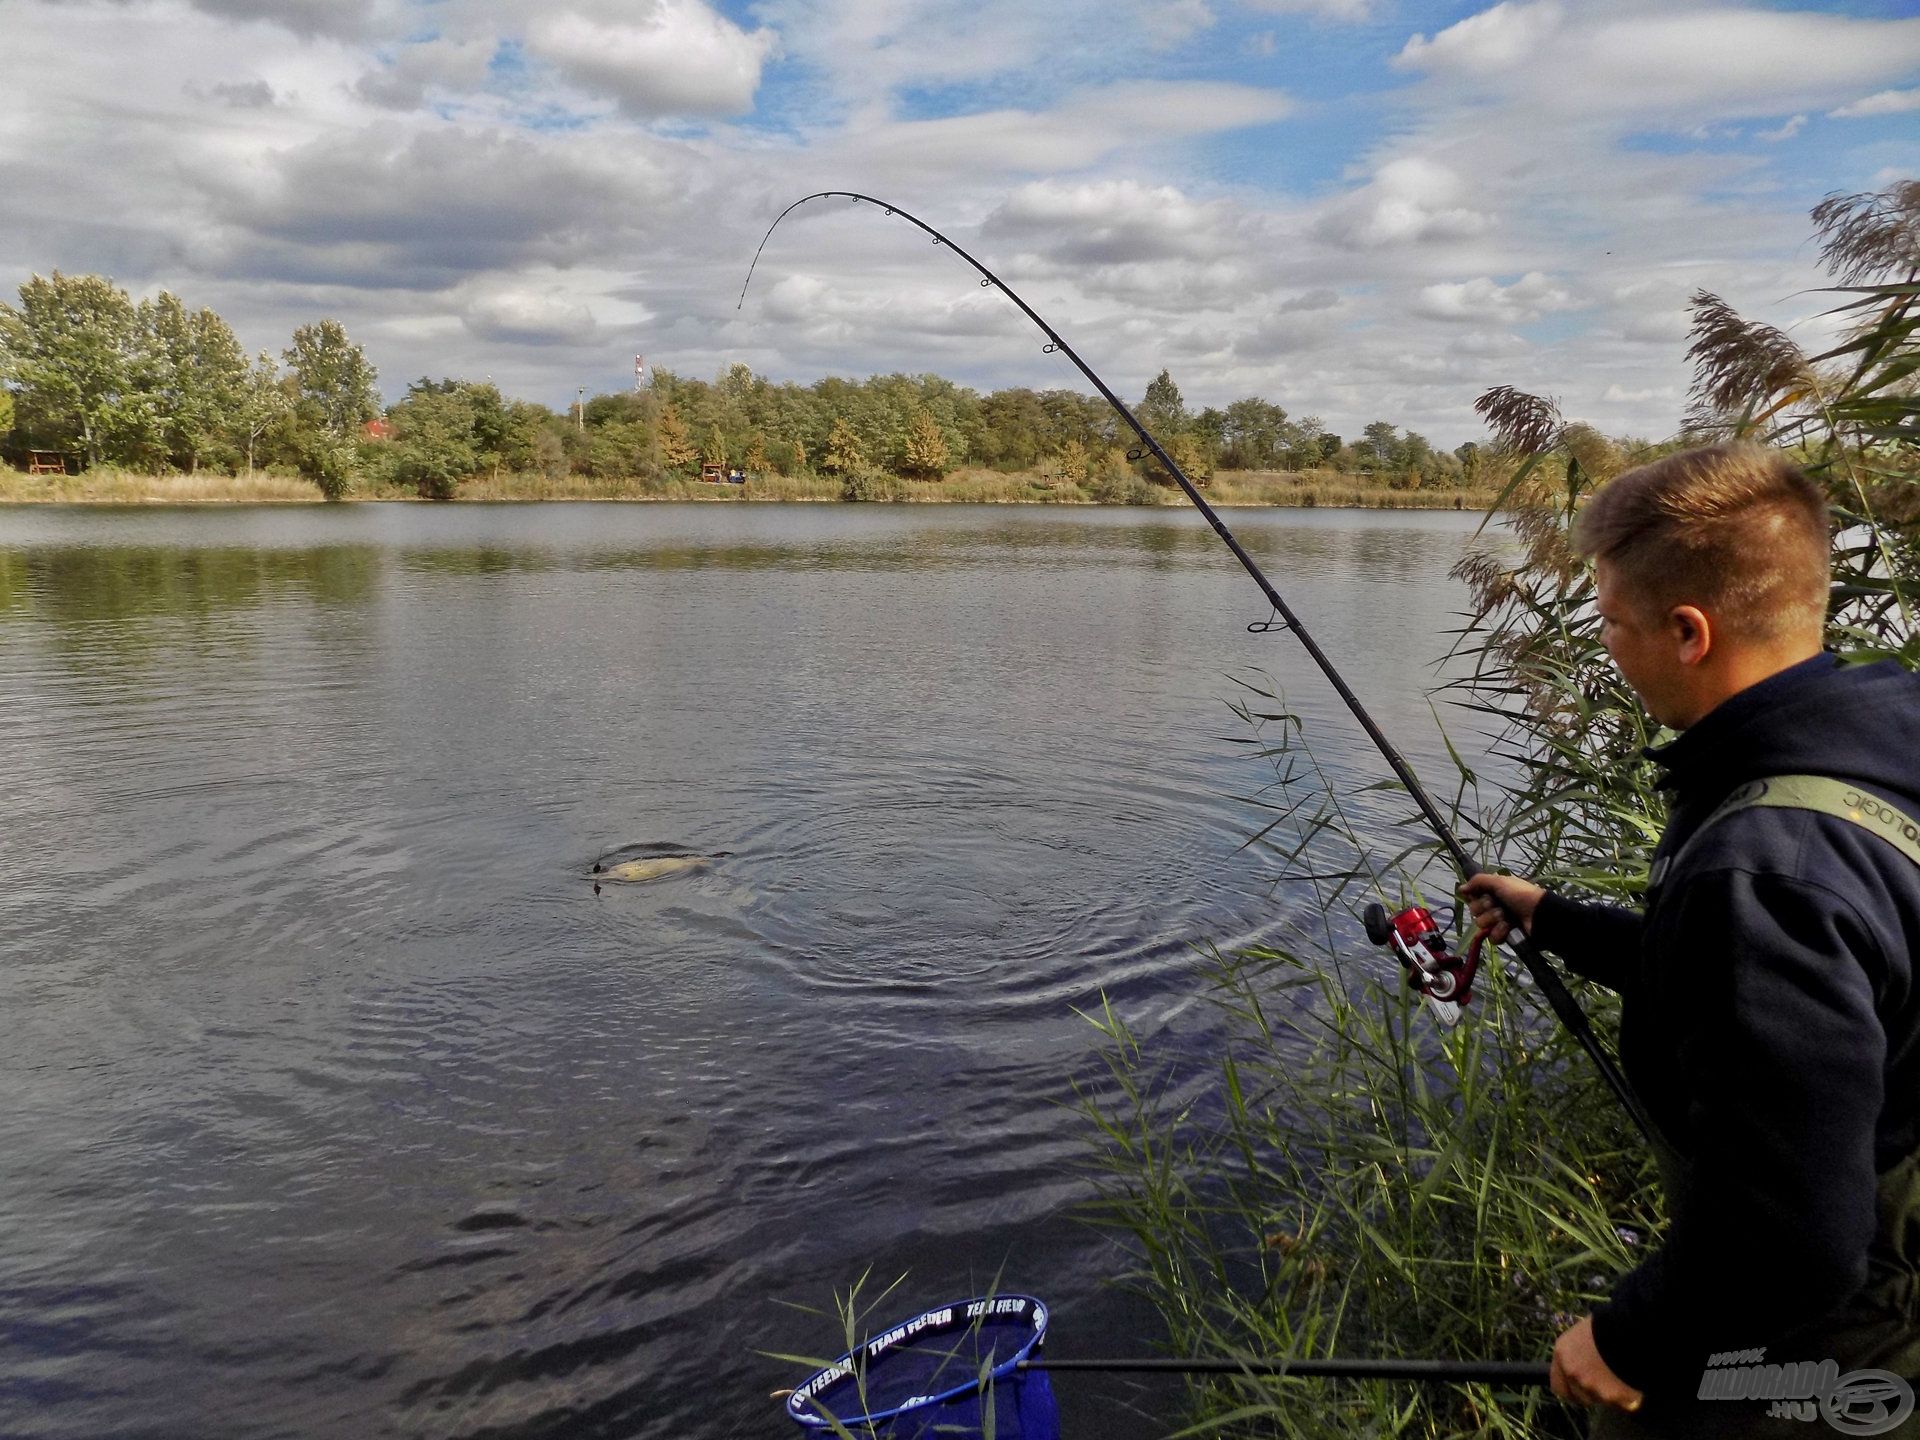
pixel 822 1380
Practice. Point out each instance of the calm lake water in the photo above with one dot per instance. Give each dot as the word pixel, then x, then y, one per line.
pixel 339 1105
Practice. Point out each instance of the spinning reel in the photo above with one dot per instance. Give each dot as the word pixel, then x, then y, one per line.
pixel 1443 978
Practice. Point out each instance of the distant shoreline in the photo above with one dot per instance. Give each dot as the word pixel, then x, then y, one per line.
pixel 1226 490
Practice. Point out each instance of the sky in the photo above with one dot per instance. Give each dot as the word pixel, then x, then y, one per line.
pixel 1358 209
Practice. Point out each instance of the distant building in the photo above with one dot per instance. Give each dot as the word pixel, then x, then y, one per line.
pixel 377 430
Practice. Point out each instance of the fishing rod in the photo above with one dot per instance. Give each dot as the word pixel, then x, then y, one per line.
pixel 1564 1006
pixel 1450 1372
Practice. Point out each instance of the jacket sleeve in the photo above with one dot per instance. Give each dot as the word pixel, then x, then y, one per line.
pixel 1600 942
pixel 1783 1062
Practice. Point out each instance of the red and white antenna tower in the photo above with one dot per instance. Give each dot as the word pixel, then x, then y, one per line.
pixel 639 371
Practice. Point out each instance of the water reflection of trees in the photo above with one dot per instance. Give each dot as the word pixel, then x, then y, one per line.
pixel 1157 545
pixel 74 584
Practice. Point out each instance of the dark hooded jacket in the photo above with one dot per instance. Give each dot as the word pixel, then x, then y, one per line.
pixel 1770 1019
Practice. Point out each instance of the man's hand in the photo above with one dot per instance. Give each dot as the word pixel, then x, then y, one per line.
pixel 1581 1376
pixel 1497 902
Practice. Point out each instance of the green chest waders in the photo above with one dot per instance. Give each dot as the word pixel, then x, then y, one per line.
pixel 1879 1327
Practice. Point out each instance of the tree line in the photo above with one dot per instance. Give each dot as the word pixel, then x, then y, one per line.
pixel 87 371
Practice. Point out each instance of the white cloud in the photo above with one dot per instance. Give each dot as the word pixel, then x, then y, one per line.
pixel 1651 311
pixel 866 51
pixel 402 82
pixel 1409 201
pixel 1311 300
pixel 1499 344
pixel 677 57
pixel 1110 221
pixel 1349 10
pixel 302 17
pixel 1079 130
pixel 1508 35
pixel 1484 300
pixel 515 314
pixel 1793 126
pixel 1886 102
pixel 422 206
pixel 1660 63
pixel 1155 247
pixel 1177 20
pixel 236 94
pixel 1640 395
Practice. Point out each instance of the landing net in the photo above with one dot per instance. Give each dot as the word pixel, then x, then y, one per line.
pixel 950 1373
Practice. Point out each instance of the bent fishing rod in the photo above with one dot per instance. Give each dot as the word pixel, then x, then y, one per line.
pixel 1564 1006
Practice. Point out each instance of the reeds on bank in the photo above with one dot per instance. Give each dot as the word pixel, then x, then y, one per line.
pixel 1323 488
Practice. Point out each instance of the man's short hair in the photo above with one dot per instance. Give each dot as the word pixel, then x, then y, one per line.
pixel 1738 530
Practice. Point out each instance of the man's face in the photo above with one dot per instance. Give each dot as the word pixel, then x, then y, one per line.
pixel 1642 645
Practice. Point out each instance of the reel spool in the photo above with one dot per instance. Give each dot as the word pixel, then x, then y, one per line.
pixel 1443 978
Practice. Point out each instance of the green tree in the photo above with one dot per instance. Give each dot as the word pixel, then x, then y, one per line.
pixel 926 448
pixel 550 457
pixel 714 452
pixel 1162 410
pixel 6 411
pixel 434 439
pixel 522 428
pixel 1303 442
pixel 334 378
pixel 844 451
pixel 263 401
pixel 1255 435
pixel 1379 445
pixel 677 450
pixel 1014 425
pixel 1193 455
pixel 1471 458
pixel 195 372
pixel 617 449
pixel 73 350
pixel 329 462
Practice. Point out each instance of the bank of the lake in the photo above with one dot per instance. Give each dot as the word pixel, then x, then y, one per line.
pixel 1326 489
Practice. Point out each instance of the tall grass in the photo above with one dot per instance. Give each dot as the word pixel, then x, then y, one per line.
pixel 121 487
pixel 963 487
pixel 1356 1181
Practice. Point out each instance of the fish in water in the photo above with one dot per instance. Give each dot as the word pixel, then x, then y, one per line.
pixel 650 867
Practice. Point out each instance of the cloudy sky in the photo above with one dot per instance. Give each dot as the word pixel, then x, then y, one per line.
pixel 1360 209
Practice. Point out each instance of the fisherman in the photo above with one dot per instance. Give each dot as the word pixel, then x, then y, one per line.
pixel 1770 1016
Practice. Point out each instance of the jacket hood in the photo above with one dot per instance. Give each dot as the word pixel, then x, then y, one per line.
pixel 1820 717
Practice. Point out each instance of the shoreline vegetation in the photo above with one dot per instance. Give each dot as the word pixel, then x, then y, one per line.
pixel 136 393
pixel 1325 489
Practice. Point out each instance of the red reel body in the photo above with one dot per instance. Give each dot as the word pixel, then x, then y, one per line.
pixel 1420 945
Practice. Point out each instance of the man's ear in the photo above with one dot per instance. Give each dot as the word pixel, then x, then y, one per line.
pixel 1692 632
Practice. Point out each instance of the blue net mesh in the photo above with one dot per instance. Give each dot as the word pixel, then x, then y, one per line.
pixel 942 1373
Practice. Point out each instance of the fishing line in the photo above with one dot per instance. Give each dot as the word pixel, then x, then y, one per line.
pixel 1558 998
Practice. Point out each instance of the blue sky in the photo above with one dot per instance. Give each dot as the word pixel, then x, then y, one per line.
pixel 1361 209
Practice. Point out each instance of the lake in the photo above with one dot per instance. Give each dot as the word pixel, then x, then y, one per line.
pixel 338 1102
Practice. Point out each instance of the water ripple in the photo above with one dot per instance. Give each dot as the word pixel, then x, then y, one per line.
pixel 340 1104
